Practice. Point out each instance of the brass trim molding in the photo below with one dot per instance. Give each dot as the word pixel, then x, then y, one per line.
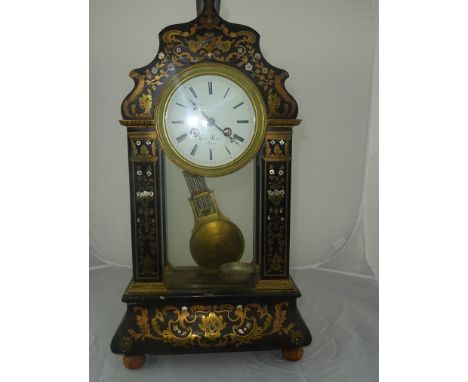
pixel 277 122
pixel 135 287
pixel 137 122
pixel 277 284
pixel 287 135
pixel 142 135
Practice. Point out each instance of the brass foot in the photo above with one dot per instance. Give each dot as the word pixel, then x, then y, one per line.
pixel 293 354
pixel 133 361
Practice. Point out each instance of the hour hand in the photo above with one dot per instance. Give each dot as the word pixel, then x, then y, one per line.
pixel 194 104
pixel 227 132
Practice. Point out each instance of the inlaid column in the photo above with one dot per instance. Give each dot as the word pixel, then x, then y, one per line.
pixel 146 204
pixel 274 200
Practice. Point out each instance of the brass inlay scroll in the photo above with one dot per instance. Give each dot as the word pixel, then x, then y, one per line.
pixel 212 326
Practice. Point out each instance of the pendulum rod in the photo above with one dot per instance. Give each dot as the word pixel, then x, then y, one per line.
pixel 199 192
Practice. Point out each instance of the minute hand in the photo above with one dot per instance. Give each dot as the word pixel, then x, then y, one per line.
pixel 211 121
pixel 225 134
pixel 219 128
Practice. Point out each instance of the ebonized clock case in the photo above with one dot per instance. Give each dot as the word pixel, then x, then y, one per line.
pixel 161 319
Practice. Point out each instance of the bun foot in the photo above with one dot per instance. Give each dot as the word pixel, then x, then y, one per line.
pixel 293 354
pixel 133 361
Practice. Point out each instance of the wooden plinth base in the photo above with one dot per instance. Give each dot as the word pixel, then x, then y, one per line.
pixel 180 323
pixel 293 354
pixel 133 361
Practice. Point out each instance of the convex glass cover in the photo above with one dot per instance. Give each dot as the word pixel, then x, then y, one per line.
pixel 211 120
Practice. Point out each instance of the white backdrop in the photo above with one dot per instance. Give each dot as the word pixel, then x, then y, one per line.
pixel 329 49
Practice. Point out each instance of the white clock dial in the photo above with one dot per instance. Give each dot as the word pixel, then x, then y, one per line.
pixel 210 120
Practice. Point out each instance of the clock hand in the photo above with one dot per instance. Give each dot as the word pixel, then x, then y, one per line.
pixel 194 104
pixel 226 132
pixel 210 121
pixel 219 128
pixel 208 118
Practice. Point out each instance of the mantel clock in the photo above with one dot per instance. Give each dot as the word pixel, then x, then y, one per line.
pixel 209 120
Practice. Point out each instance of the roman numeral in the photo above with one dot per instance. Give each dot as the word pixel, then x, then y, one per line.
pixel 210 87
pixel 239 104
pixel 211 154
pixel 193 92
pixel 180 138
pixel 242 121
pixel 194 150
pixel 227 150
pixel 227 91
pixel 177 122
pixel 235 136
pixel 177 103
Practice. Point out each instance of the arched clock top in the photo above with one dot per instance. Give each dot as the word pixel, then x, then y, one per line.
pixel 208 39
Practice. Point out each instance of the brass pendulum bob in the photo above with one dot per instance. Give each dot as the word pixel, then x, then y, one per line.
pixel 215 239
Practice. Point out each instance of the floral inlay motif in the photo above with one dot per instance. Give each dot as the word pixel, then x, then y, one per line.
pixel 208 39
pixel 145 217
pixel 211 326
pixel 276 243
pixel 143 150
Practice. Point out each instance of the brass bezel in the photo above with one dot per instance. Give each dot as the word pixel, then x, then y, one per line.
pixel 257 102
